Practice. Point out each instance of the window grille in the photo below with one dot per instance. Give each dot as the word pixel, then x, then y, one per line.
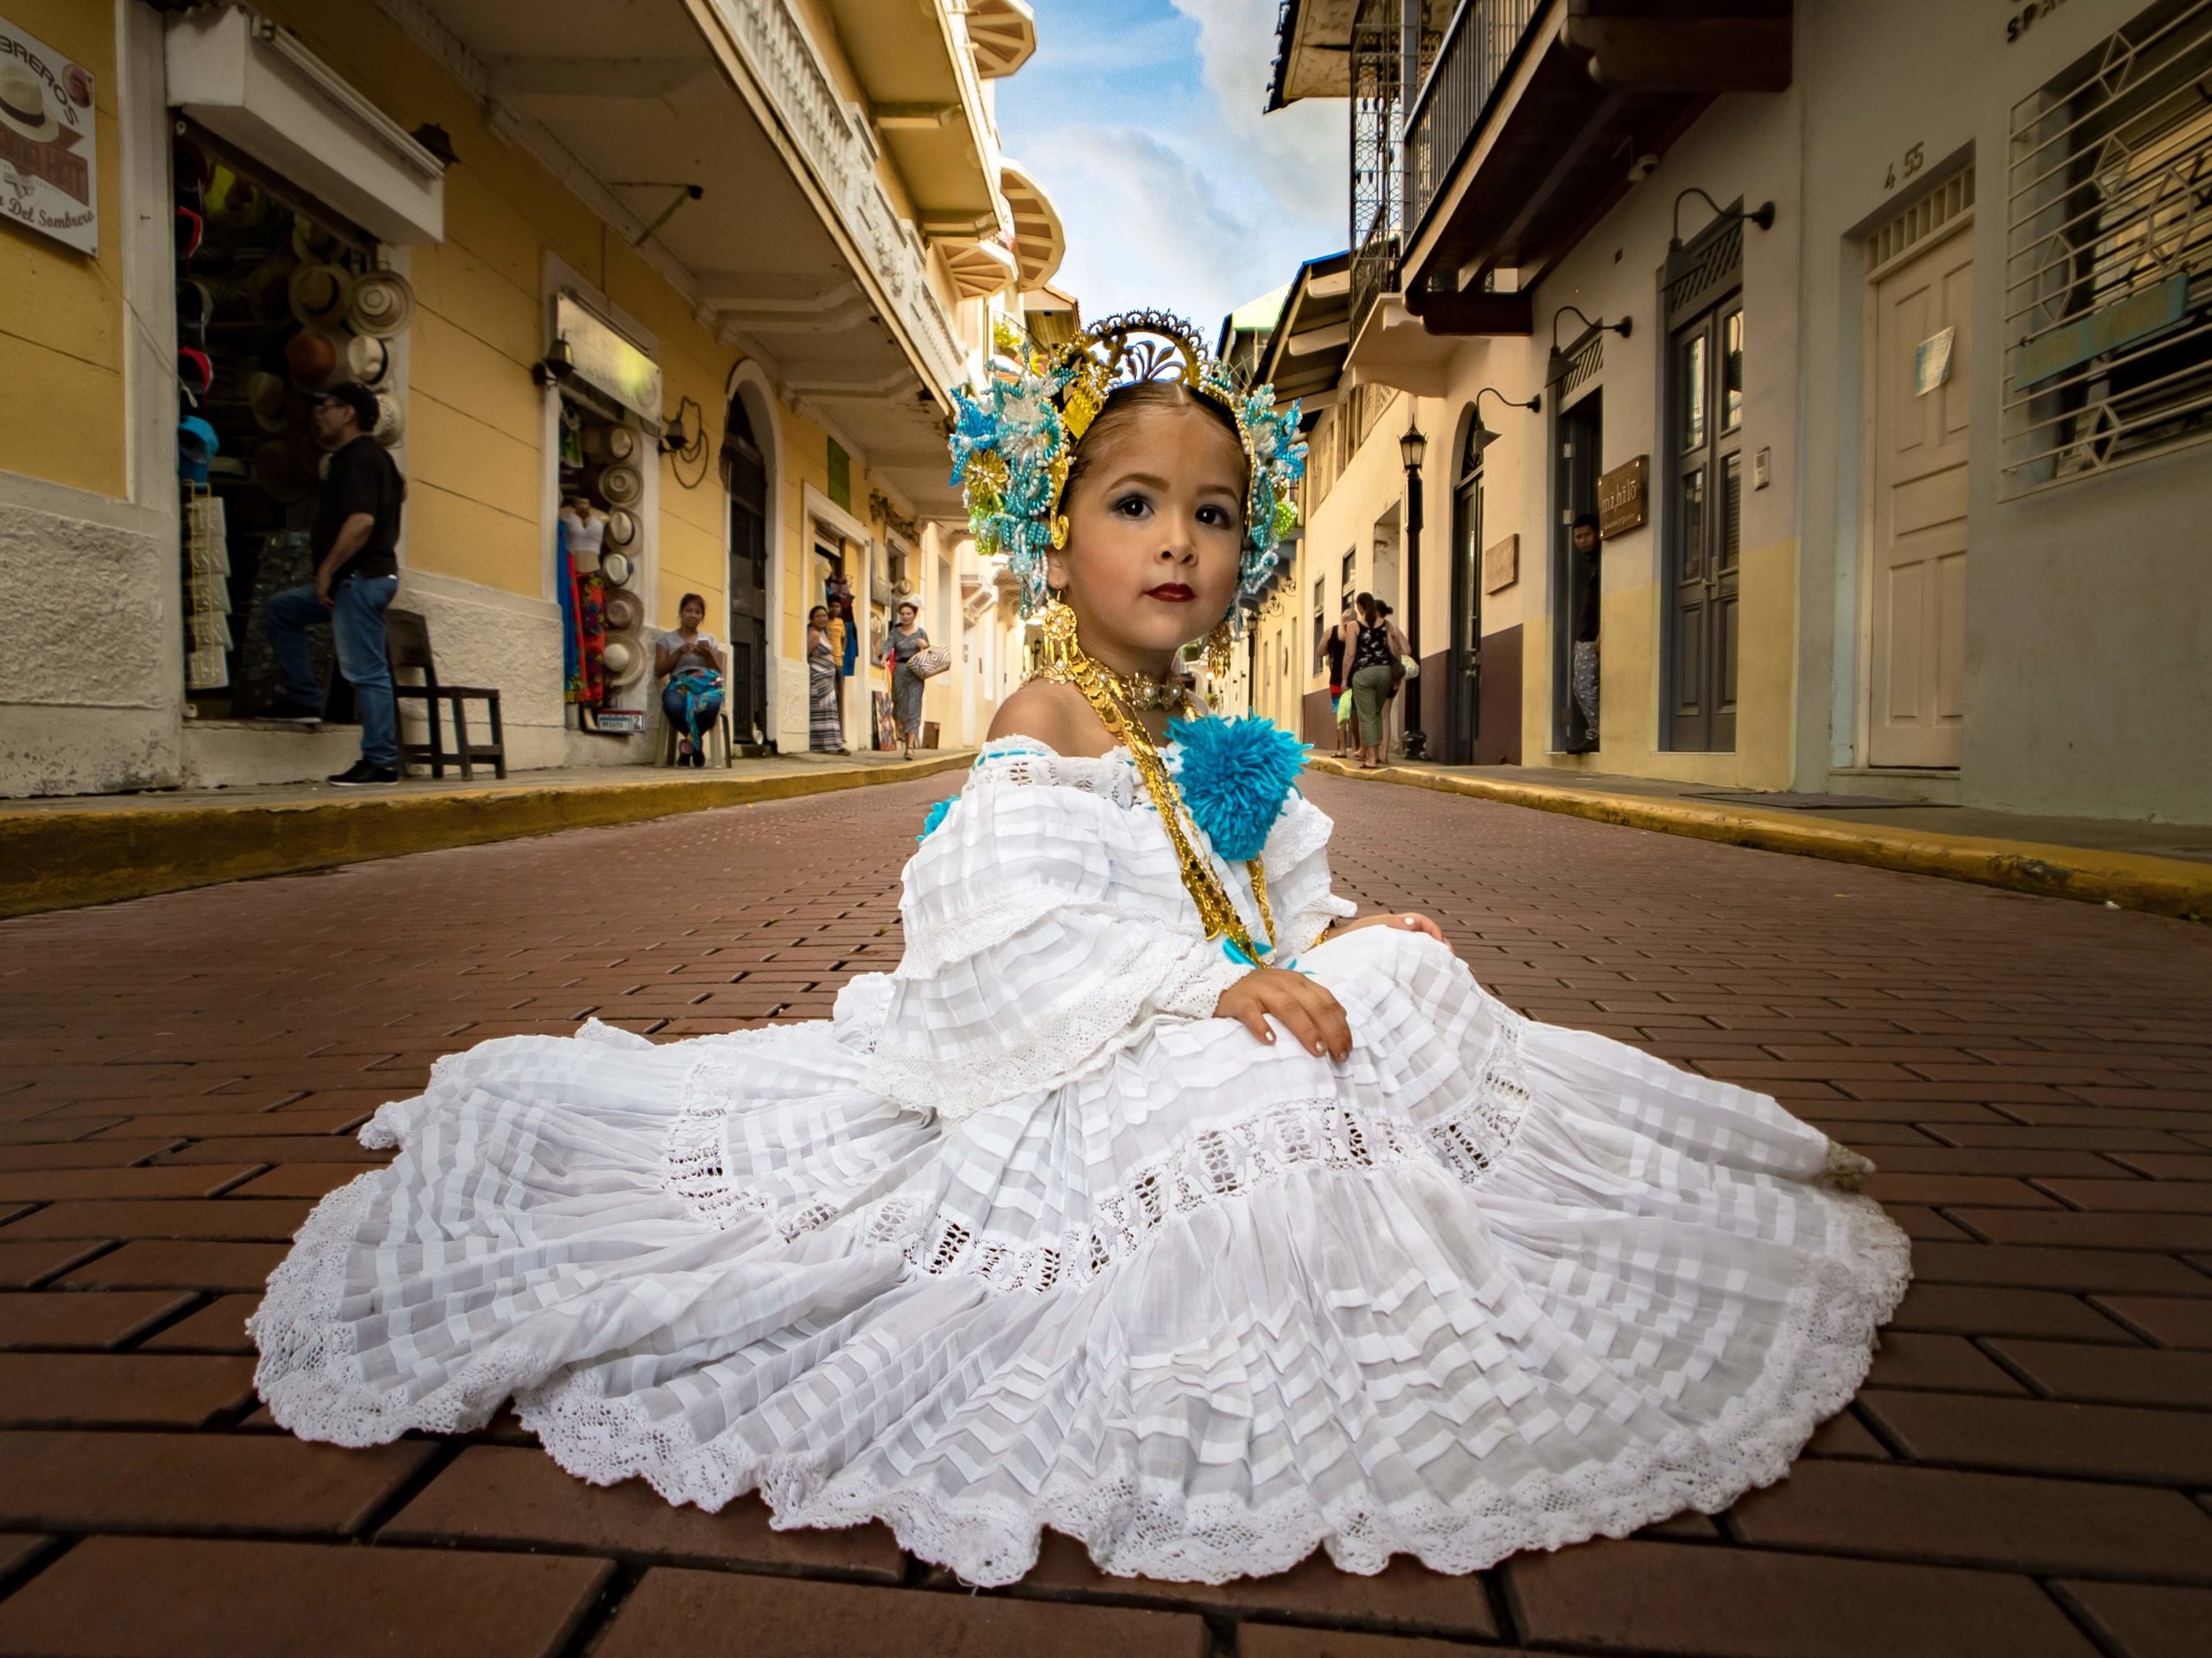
pixel 2108 256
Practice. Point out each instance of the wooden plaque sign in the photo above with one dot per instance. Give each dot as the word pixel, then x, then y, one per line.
pixel 1625 498
pixel 1502 564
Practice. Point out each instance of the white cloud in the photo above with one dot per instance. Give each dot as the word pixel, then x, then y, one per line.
pixel 1299 154
pixel 1073 44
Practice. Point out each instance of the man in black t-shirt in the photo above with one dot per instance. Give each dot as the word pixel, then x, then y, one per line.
pixel 355 541
pixel 1584 587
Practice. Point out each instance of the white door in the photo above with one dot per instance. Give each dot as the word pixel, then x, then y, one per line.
pixel 1923 311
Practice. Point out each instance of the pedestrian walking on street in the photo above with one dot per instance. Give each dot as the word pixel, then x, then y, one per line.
pixel 1334 650
pixel 1374 678
pixel 908 641
pixel 355 540
pixel 1583 590
pixel 825 726
pixel 691 662
pixel 1157 1197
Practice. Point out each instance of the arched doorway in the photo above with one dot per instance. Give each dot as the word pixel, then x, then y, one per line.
pixel 1463 671
pixel 745 476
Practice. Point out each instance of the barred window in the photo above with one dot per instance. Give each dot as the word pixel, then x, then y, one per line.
pixel 2108 256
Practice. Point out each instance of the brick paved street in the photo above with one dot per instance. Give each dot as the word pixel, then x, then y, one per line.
pixel 2028 1473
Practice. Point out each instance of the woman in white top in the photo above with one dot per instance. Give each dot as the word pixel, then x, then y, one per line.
pixel 691 662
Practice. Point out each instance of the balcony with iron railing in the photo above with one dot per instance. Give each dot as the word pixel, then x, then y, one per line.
pixel 1374 274
pixel 1480 47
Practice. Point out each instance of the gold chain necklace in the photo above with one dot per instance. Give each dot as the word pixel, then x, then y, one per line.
pixel 1066 662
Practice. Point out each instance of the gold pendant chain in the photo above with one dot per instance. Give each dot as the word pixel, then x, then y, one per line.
pixel 1066 662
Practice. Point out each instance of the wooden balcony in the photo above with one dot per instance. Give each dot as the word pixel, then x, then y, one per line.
pixel 1521 137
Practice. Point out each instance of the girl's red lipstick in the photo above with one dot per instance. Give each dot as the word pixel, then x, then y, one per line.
pixel 1173 592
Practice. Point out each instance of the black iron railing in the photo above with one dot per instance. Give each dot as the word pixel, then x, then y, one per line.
pixel 1374 274
pixel 1480 48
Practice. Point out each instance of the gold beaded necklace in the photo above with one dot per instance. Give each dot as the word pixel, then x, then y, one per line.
pixel 1066 662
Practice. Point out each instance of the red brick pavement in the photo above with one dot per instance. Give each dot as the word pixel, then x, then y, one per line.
pixel 2029 1471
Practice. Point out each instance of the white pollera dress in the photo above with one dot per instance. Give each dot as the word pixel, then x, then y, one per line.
pixel 1022 1236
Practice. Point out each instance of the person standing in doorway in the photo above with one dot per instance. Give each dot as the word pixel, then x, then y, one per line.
pixel 356 542
pixel 1374 672
pixel 1583 592
pixel 825 725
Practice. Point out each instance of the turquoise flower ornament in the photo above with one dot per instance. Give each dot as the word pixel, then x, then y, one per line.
pixel 1237 776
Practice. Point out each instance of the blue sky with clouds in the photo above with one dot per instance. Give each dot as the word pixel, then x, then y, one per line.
pixel 1141 118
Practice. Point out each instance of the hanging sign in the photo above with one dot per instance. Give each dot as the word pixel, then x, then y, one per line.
pixel 604 359
pixel 1624 497
pixel 49 164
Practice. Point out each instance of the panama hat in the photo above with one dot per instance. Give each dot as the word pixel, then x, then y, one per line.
pixel 621 443
pixel 391 421
pixel 367 359
pixel 616 568
pixel 621 528
pixel 23 106
pixel 310 240
pixel 313 358
pixel 622 609
pixel 621 486
pixel 266 395
pixel 383 304
pixel 320 294
pixel 622 658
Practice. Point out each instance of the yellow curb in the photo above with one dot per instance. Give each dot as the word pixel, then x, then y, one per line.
pixel 54 858
pixel 2132 880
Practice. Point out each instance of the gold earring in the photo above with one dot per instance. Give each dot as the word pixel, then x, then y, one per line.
pixel 1217 646
pixel 1058 622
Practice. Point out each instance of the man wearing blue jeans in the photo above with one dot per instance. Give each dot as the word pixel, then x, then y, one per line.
pixel 355 541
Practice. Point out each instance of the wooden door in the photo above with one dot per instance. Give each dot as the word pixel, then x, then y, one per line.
pixel 1705 532
pixel 745 477
pixel 1464 667
pixel 1916 601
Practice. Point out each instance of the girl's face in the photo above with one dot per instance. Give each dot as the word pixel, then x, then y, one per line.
pixel 691 614
pixel 817 618
pixel 907 613
pixel 1155 528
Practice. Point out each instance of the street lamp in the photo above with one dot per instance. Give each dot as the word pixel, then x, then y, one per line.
pixel 1413 449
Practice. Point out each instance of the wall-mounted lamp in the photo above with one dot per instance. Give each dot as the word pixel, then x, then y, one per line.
pixel 1482 437
pixel 1682 265
pixel 1561 362
pixel 681 435
pixel 557 366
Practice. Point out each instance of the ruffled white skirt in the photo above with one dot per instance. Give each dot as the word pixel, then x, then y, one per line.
pixel 1488 1285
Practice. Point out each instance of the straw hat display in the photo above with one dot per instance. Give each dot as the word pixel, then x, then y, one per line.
pixel 621 486
pixel 311 357
pixel 383 304
pixel 622 659
pixel 367 359
pixel 391 421
pixel 616 568
pixel 621 528
pixel 621 443
pixel 310 240
pixel 266 395
pixel 320 295
pixel 622 609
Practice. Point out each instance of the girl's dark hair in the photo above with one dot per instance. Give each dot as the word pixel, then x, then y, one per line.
pixel 688 599
pixel 1366 605
pixel 1125 403
pixel 1586 521
pixel 821 610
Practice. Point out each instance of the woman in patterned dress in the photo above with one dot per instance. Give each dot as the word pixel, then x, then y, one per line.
pixel 826 727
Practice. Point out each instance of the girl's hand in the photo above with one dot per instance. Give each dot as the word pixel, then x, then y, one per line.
pixel 1403 923
pixel 1298 1003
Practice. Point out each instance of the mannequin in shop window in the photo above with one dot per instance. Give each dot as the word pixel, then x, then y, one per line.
pixel 691 662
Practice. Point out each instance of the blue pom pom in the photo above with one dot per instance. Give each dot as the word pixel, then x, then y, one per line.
pixel 937 815
pixel 1237 774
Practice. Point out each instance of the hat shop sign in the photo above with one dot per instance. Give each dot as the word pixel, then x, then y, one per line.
pixel 49 174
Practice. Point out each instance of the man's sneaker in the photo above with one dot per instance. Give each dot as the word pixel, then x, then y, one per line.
pixel 290 713
pixel 361 773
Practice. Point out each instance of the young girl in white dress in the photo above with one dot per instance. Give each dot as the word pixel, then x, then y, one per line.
pixel 1153 1197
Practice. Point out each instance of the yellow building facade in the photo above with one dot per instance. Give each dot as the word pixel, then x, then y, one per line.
pixel 711 279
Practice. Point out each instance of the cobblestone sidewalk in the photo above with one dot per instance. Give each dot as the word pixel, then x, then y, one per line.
pixel 2029 1471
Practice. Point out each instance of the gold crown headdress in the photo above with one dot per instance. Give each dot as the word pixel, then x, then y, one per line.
pixel 1014 442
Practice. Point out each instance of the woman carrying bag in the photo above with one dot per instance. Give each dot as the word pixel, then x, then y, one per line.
pixel 911 659
pixel 1375 675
